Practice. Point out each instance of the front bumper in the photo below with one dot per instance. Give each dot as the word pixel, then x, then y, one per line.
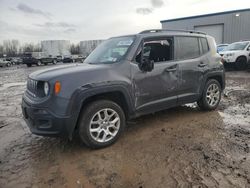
pixel 227 61
pixel 42 122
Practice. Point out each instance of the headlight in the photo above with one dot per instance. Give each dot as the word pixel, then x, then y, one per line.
pixel 46 88
pixel 231 54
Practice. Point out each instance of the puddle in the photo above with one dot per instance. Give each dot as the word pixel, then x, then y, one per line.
pixel 230 120
pixel 9 85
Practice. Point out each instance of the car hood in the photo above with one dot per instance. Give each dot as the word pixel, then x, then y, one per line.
pixel 65 70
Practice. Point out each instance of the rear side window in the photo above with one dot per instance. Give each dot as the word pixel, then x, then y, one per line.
pixel 204 45
pixel 188 47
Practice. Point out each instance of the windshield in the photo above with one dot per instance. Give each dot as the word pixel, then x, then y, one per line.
pixel 110 51
pixel 236 46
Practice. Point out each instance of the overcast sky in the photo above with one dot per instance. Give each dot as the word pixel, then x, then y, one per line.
pixel 76 20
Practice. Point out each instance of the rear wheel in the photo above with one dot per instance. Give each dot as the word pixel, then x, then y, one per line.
pixel 241 63
pixel 101 123
pixel 211 95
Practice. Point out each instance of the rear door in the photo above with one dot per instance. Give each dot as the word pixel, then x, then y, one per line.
pixel 191 68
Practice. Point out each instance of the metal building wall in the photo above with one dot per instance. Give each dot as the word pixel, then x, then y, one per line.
pixel 236 28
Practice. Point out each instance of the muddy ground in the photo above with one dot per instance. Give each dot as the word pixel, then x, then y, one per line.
pixel 180 147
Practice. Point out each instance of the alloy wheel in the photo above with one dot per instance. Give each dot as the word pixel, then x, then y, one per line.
pixel 213 95
pixel 104 125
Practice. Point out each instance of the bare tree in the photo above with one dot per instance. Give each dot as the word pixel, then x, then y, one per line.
pixel 1 50
pixel 10 47
pixel 30 47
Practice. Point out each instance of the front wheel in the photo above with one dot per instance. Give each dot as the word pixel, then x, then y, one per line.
pixel 54 61
pixel 241 63
pixel 101 123
pixel 211 95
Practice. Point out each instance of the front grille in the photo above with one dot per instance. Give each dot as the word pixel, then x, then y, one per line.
pixel 32 87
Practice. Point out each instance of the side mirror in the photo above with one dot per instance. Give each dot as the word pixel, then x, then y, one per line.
pixel 146 65
pixel 248 49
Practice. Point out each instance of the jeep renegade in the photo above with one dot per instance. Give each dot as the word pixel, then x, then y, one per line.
pixel 123 78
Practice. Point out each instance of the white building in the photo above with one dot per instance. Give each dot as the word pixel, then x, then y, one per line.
pixel 56 47
pixel 86 47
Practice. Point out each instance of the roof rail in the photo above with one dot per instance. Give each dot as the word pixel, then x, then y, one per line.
pixel 171 30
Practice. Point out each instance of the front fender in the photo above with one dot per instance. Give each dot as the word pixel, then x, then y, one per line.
pixel 90 90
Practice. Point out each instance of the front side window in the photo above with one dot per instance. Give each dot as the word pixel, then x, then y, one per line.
pixel 188 47
pixel 157 50
pixel 110 51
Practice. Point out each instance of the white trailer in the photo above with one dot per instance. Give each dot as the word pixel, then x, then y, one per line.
pixel 56 47
pixel 86 47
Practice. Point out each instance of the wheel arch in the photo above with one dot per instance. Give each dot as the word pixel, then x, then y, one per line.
pixel 242 56
pixel 116 95
pixel 218 78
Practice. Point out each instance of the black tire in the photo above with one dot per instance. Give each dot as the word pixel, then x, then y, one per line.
pixel 241 63
pixel 54 61
pixel 203 102
pixel 28 65
pixel 89 113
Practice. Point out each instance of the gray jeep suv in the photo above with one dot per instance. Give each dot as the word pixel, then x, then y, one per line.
pixel 123 78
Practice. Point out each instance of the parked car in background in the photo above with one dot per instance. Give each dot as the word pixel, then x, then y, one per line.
pixel 37 58
pixel 73 59
pixel 59 58
pixel 5 63
pixel 78 58
pixel 221 47
pixel 123 78
pixel 68 59
pixel 16 60
pixel 237 53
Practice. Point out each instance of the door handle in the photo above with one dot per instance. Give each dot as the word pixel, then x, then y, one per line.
pixel 202 64
pixel 171 68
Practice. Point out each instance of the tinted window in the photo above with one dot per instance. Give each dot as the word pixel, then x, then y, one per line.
pixel 158 50
pixel 204 45
pixel 188 47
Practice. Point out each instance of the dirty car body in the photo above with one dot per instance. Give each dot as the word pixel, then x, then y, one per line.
pixel 122 75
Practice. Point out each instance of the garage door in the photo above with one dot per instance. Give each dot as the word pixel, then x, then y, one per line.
pixel 214 30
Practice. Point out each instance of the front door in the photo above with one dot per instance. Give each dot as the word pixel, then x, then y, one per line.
pixel 155 90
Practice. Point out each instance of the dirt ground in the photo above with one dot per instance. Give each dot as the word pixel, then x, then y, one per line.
pixel 180 147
